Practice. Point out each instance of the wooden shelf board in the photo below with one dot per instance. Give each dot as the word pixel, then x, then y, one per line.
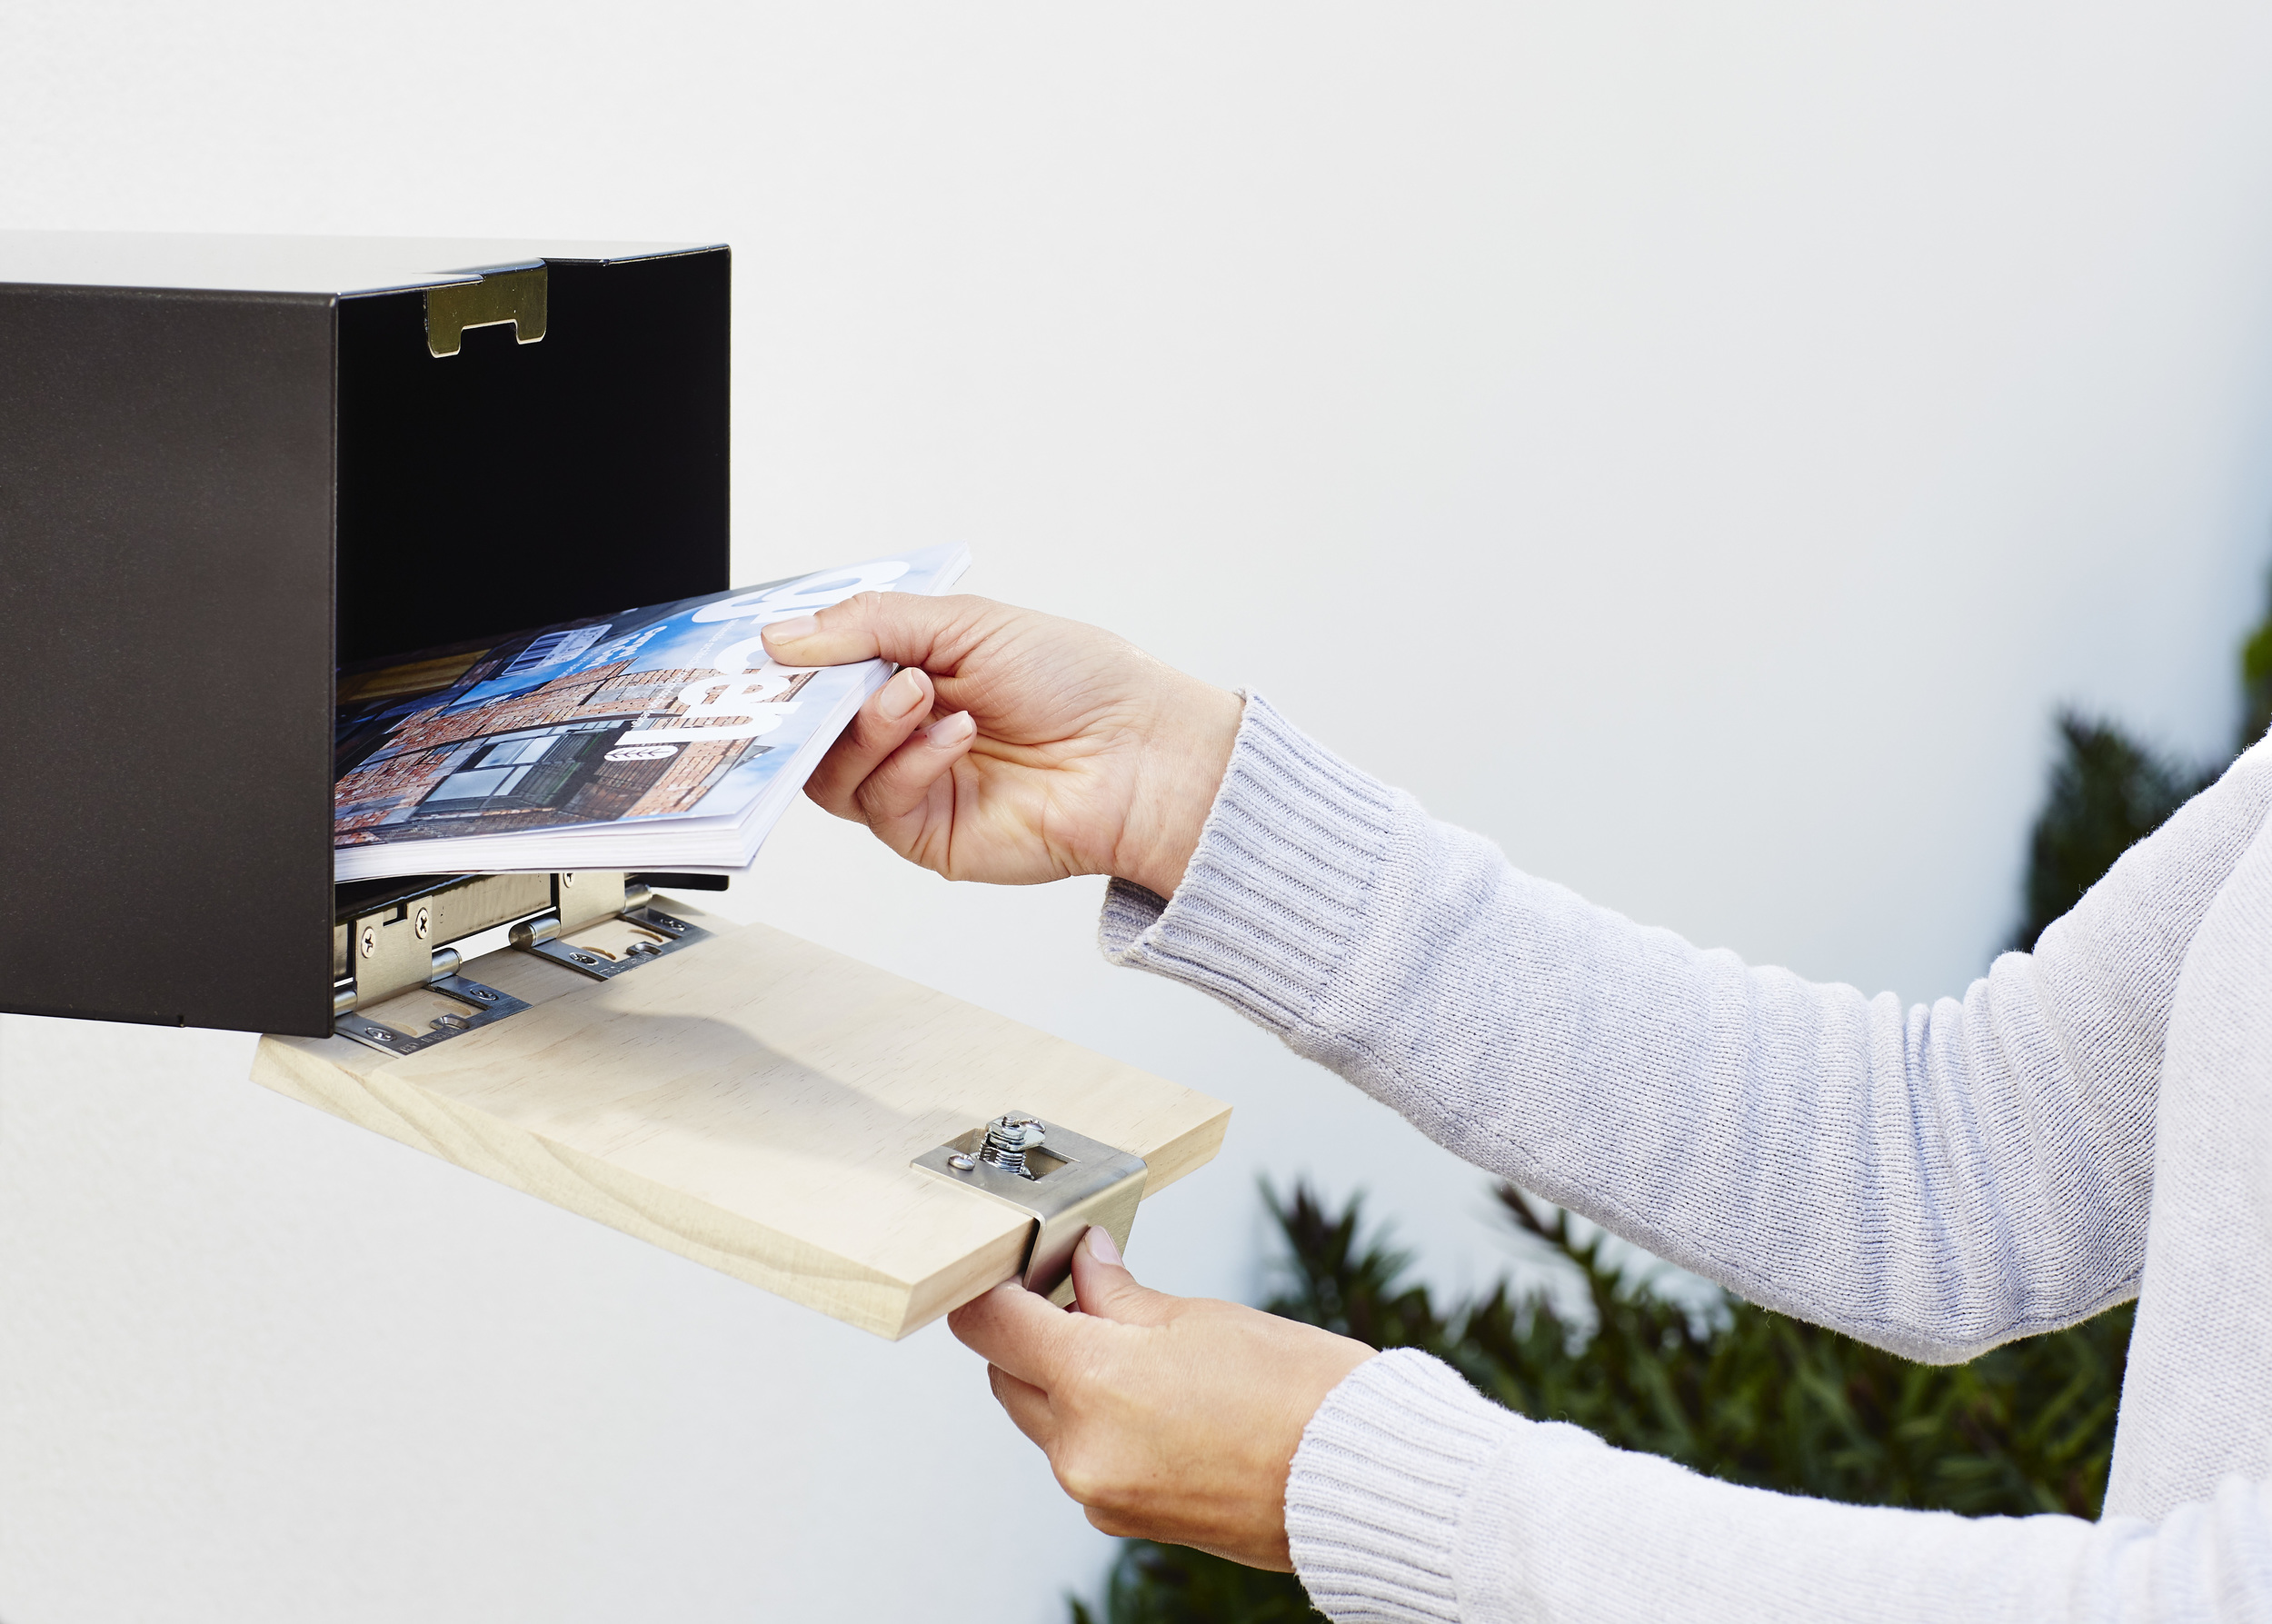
pixel 753 1102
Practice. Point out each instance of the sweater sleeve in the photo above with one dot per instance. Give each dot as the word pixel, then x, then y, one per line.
pixel 1414 1499
pixel 1935 1180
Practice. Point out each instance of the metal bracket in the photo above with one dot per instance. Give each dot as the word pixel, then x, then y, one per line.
pixel 388 950
pixel 484 1006
pixel 541 936
pixel 1069 1181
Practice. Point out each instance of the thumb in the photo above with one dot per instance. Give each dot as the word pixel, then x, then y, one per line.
pixel 933 633
pixel 1105 1290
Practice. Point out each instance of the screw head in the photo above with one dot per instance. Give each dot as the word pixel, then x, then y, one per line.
pixel 451 1022
pixel 423 925
pixel 370 941
pixel 960 1163
pixel 483 993
pixel 378 1032
pixel 588 958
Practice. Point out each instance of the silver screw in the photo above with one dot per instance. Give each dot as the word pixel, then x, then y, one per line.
pixel 588 958
pixel 483 993
pixel 1008 1138
pixel 640 950
pixel 959 1163
pixel 451 1022
pixel 380 1032
pixel 370 941
pixel 424 923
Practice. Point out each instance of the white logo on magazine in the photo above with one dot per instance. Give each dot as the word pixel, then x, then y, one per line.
pixel 554 648
pixel 804 596
pixel 747 722
pixel 642 752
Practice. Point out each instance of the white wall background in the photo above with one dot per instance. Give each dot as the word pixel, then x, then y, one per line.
pixel 1695 444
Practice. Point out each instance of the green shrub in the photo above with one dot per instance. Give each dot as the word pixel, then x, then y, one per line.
pixel 2107 792
pixel 2256 682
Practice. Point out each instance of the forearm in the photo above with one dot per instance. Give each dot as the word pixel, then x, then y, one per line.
pixel 1412 1497
pixel 1934 1181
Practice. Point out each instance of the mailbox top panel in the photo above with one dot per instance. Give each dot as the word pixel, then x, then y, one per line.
pixel 334 267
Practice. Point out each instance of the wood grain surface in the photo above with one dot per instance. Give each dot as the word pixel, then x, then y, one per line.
pixel 753 1102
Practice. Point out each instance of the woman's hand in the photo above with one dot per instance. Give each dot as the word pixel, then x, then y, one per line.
pixel 1016 747
pixel 1169 1418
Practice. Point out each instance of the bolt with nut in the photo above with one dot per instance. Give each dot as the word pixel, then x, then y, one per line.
pixel 1008 1138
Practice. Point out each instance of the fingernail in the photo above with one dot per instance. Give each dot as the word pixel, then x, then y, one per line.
pixel 1101 1246
pixel 903 694
pixel 950 732
pixel 804 626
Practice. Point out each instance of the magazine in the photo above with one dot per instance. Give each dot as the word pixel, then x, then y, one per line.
pixel 663 738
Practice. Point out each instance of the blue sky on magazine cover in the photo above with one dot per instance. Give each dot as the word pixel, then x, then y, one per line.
pixel 721 632
pixel 692 634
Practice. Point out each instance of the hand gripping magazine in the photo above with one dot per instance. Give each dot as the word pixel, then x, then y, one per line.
pixel 663 738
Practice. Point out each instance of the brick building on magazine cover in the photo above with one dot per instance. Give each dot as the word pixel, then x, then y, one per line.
pixel 541 759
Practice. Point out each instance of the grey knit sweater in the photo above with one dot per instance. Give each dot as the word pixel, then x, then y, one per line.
pixel 2090 1122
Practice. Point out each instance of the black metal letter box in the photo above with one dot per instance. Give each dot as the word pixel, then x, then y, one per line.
pixel 229 466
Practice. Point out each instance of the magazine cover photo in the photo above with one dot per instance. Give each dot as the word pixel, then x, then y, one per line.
pixel 668 711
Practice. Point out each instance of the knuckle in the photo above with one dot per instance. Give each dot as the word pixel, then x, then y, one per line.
pixel 1084 1489
pixel 859 806
pixel 1113 1522
pixel 1079 1478
pixel 1094 1477
pixel 872 800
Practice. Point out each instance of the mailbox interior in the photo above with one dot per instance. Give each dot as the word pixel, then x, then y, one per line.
pixel 514 484
pixel 517 483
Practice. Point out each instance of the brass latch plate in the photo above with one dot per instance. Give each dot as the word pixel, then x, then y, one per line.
pixel 516 299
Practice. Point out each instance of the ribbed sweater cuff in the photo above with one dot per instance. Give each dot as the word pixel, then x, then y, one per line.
pixel 1374 1501
pixel 1279 885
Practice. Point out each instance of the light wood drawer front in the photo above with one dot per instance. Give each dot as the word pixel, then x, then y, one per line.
pixel 753 1102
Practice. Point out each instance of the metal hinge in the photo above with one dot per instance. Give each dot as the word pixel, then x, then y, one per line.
pixel 1061 1179
pixel 667 934
pixel 405 943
